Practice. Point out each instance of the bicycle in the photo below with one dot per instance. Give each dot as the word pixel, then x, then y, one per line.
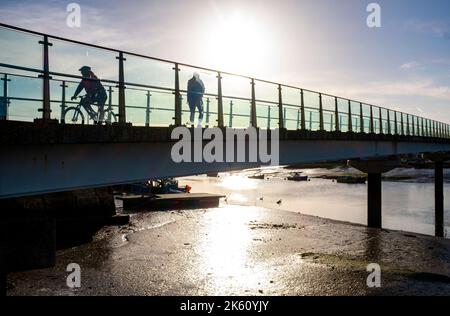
pixel 74 114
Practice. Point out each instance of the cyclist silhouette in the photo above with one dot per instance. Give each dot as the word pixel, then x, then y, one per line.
pixel 95 93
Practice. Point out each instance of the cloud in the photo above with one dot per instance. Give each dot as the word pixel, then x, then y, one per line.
pixel 436 28
pixel 441 61
pixel 410 65
pixel 103 24
pixel 421 87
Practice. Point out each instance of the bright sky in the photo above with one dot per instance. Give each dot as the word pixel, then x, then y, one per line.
pixel 322 45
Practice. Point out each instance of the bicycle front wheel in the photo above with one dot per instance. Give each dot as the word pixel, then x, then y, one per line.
pixel 73 115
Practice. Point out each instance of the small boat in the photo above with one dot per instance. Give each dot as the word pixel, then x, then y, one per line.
pixel 351 180
pixel 257 177
pixel 297 177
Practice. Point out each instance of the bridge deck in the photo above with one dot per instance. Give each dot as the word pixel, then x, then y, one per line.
pixel 14 133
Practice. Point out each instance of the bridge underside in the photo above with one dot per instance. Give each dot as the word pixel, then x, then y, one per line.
pixel 49 158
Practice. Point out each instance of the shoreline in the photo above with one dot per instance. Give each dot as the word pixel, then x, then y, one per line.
pixel 236 250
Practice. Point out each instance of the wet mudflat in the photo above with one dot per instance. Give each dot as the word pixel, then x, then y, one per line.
pixel 244 250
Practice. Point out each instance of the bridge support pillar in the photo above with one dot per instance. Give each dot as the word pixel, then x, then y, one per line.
pixel 374 208
pixel 439 198
pixel 438 159
pixel 374 168
pixel 2 269
pixel 2 284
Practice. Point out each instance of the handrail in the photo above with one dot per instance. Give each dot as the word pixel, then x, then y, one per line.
pixel 181 64
pixel 440 128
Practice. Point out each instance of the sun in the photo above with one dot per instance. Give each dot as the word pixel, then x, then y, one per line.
pixel 237 43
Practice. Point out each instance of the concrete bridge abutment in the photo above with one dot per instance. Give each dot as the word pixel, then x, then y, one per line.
pixel 33 228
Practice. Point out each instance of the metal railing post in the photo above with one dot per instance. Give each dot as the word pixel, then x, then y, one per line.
pixel 5 112
pixel 281 123
pixel 63 85
pixel 302 111
pixel 268 117
pixel 381 120
pixel 230 120
pixel 371 129
pixel 253 118
pixel 389 122
pixel 331 123
pixel 321 124
pixel 336 114
pixel 46 110
pixel 395 123
pixel 207 111
pixel 219 101
pixel 177 93
pixel 121 87
pixel 422 130
pixel 402 124
pixel 350 119
pixel 148 109
pixel 361 117
pixel 407 125
pixel 110 109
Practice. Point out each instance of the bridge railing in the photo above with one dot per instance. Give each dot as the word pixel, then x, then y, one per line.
pixel 39 73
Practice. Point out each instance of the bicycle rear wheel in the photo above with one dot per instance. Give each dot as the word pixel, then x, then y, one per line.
pixel 73 115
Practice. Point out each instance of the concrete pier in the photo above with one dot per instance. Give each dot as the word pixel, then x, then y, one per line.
pixel 439 198
pixel 374 207
pixel 438 159
pixel 2 270
pixel 374 168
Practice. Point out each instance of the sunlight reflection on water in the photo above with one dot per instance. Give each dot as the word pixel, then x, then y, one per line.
pixel 225 253
pixel 406 206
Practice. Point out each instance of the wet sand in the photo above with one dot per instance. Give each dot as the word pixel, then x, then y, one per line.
pixel 241 250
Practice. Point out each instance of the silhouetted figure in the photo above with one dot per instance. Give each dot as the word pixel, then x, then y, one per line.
pixel 195 92
pixel 95 93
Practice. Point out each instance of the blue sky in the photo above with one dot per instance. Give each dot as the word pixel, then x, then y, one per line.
pixel 321 45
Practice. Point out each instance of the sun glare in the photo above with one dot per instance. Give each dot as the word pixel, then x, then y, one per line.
pixel 238 44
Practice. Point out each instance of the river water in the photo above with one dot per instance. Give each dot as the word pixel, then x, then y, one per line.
pixel 408 205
